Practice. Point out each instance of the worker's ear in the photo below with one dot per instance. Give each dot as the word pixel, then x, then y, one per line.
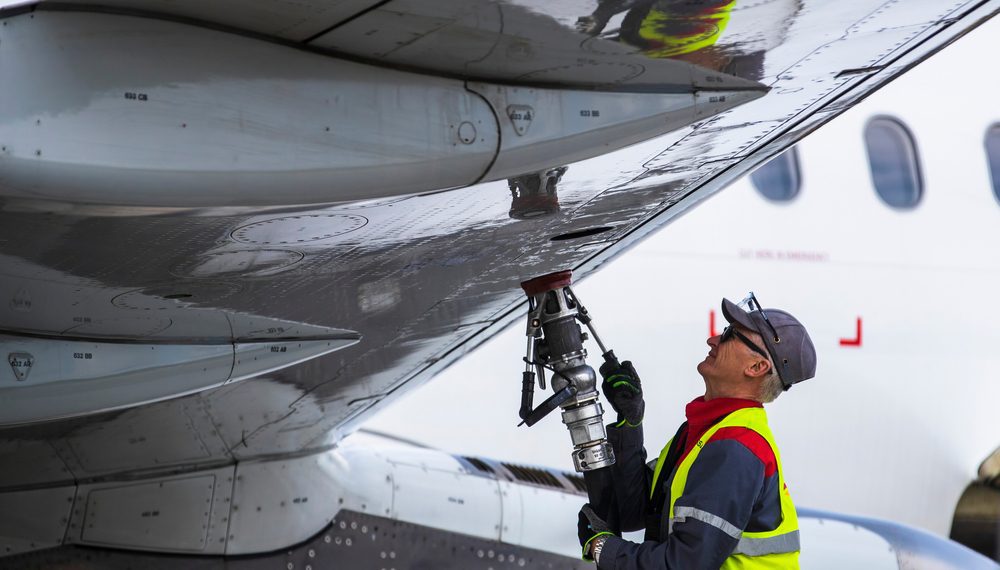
pixel 758 368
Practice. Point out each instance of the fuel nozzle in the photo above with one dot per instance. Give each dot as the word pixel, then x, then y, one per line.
pixel 555 342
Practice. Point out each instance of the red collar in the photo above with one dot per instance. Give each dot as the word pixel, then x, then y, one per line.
pixel 702 414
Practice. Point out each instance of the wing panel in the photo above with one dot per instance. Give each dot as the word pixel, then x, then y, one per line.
pixel 474 500
pixel 484 40
pixel 46 463
pixel 505 42
pixel 387 33
pixel 34 519
pixel 295 20
pixel 155 515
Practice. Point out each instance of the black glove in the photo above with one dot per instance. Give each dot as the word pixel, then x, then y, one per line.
pixel 590 527
pixel 623 390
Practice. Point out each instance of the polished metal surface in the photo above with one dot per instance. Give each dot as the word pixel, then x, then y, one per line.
pixel 225 120
pixel 61 378
pixel 424 278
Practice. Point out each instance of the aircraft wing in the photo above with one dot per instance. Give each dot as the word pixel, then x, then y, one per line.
pixel 200 315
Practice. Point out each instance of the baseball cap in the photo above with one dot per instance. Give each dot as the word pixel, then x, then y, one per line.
pixel 786 339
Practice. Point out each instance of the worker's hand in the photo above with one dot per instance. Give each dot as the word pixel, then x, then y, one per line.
pixel 590 527
pixel 623 390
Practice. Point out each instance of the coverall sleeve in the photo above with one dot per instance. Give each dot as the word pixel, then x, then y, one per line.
pixel 631 476
pixel 722 487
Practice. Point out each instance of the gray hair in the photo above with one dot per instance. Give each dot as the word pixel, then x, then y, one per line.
pixel 771 387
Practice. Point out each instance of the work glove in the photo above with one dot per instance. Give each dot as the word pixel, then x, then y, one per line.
pixel 623 390
pixel 590 527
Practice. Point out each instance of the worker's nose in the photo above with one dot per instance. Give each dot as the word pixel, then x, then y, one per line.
pixel 713 341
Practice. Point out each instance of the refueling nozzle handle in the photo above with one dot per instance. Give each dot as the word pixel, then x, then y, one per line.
pixel 553 402
pixel 527 393
pixel 610 357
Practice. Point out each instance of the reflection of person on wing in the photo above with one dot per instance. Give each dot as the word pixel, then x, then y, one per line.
pixel 692 30
pixel 716 496
pixel 663 28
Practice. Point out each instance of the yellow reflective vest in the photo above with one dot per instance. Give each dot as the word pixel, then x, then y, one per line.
pixel 770 550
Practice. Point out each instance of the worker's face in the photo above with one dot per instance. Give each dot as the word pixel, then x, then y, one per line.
pixel 727 361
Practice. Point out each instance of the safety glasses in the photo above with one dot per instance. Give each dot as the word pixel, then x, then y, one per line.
pixel 730 332
pixel 750 304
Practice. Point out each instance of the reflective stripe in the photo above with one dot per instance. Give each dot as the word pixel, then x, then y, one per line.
pixel 747 545
pixel 782 543
pixel 682 513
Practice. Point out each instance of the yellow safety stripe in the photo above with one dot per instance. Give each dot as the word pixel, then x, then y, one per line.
pixel 659 466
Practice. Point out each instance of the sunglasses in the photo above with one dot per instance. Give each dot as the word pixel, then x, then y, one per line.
pixel 731 332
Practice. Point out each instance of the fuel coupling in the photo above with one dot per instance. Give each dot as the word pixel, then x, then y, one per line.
pixel 555 342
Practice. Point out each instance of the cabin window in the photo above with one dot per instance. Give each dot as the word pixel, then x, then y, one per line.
pixel 778 180
pixel 892 158
pixel 992 144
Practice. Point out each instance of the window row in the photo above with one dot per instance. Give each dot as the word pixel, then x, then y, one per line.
pixel 892 160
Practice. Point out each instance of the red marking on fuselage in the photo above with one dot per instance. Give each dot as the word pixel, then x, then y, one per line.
pixel 856 341
pixel 711 323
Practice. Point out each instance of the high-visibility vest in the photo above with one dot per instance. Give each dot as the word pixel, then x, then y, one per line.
pixel 776 549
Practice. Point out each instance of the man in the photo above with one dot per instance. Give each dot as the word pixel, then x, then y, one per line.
pixel 715 497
